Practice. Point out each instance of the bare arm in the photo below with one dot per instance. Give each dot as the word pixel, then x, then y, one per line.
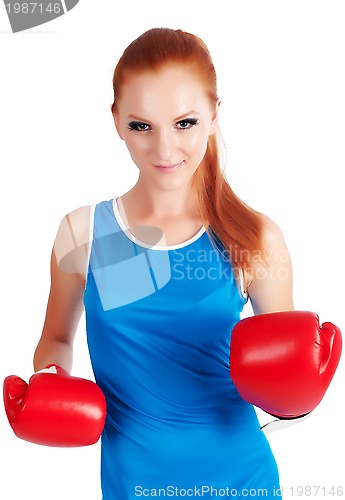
pixel 65 302
pixel 271 287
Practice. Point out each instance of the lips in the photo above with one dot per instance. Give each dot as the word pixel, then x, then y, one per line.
pixel 170 168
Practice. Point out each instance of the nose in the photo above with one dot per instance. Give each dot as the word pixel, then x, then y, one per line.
pixel 165 145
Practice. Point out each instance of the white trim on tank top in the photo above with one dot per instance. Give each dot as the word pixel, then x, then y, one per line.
pixel 145 245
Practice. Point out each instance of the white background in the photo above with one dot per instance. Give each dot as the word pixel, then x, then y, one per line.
pixel 281 79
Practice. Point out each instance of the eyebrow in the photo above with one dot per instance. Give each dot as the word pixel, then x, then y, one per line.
pixel 134 117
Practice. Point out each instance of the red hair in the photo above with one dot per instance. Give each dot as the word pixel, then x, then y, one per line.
pixel 231 225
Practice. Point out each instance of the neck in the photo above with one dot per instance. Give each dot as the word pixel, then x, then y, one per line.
pixel 161 205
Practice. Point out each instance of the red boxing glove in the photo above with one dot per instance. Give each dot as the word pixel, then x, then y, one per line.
pixel 55 409
pixel 283 362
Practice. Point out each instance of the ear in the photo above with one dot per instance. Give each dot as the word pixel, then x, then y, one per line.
pixel 214 122
pixel 117 125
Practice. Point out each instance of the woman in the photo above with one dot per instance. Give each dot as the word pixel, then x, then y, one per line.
pixel 164 271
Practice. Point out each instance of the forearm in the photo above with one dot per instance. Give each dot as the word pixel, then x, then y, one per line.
pixel 51 351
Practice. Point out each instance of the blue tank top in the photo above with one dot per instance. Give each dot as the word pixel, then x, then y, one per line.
pixel 159 321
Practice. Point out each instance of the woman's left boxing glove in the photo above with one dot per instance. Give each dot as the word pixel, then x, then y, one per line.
pixel 283 362
pixel 55 409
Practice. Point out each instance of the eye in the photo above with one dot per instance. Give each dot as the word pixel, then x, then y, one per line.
pixel 187 123
pixel 139 126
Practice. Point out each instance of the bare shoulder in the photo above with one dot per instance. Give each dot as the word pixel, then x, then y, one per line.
pixel 272 234
pixel 79 223
pixel 274 247
pixel 71 244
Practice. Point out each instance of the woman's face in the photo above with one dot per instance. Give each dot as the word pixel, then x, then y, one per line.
pixel 165 119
